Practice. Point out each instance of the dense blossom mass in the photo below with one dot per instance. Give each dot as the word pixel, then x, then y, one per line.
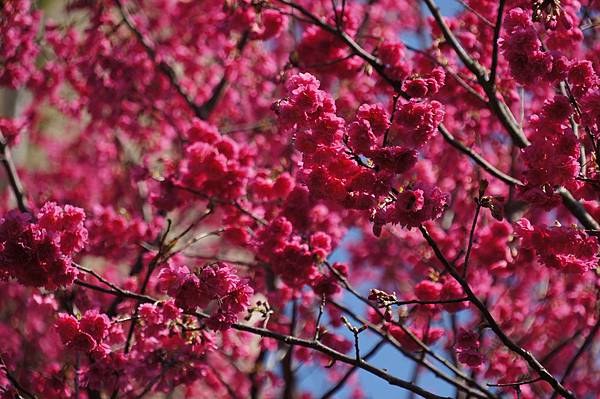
pixel 226 199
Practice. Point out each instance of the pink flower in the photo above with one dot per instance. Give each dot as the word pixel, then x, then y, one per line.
pixel 562 248
pixel 417 122
pixel 428 290
pixel 412 207
pixel 40 254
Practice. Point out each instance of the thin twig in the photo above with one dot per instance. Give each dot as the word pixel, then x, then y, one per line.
pixel 512 384
pixel 287 364
pixel 340 384
pixel 437 302
pixel 472 233
pixel 392 115
pixel 318 323
pixel 477 13
pixel 425 349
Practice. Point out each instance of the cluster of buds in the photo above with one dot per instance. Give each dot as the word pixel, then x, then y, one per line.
pixel 549 12
pixel 383 300
pixel 263 309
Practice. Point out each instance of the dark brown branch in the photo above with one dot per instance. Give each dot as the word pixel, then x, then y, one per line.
pixel 254 381
pixel 118 293
pixel 202 111
pixel 379 68
pixel 577 210
pixel 415 339
pixel 498 107
pixel 513 384
pixel 586 343
pixel 392 115
pixel 472 232
pixel 11 173
pixel 340 384
pixel 425 349
pixel 290 340
pixel 14 382
pixel 287 365
pixel 497 29
pixel 318 323
pixel 479 160
pixel 526 355
pixel 462 54
pixel 438 302
pixel 316 345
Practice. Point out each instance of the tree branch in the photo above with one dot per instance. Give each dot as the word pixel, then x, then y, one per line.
pixel 577 209
pixel 497 29
pixel 202 111
pixel 526 355
pixel 497 106
pixel 586 343
pixel 291 340
pixel 13 177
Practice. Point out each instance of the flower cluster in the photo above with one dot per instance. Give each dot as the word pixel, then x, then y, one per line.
pixel 323 52
pixel 295 155
pixel 38 252
pixel 291 258
pixel 529 64
pixel 85 335
pixel 552 157
pixel 113 235
pixel 213 165
pixel 332 174
pixel 393 57
pixel 467 347
pixel 18 49
pixel 564 248
pixel 212 283
pixel 426 86
pixel 417 122
pixel 412 207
